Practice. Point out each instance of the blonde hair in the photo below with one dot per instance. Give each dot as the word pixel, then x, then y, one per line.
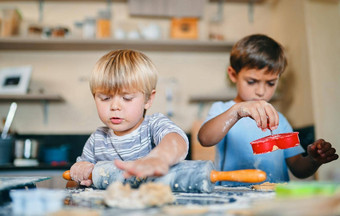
pixel 124 69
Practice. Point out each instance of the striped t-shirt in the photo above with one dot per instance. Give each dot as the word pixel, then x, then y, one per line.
pixel 103 144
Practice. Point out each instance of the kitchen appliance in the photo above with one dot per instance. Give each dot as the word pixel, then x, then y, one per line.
pixel 26 152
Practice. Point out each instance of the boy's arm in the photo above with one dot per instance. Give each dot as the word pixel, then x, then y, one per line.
pixel 216 128
pixel 171 150
pixel 263 113
pixel 319 152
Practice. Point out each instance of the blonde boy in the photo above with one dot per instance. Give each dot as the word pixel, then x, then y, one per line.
pixel 123 84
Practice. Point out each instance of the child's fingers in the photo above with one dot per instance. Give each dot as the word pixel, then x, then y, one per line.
pixel 273 117
pixel 119 164
pixel 129 168
pixel 328 153
pixel 263 117
pixel 320 143
pixel 86 182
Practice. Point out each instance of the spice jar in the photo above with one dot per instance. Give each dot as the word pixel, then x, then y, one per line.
pixel 103 24
pixel 10 22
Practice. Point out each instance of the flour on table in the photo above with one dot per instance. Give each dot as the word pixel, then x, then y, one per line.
pixel 102 172
pixel 148 194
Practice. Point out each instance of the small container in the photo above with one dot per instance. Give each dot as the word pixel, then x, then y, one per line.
pixel 6 149
pixel 56 155
pixel 89 28
pixel 36 201
pixel 274 142
pixel 103 24
pixel 27 149
pixel 10 22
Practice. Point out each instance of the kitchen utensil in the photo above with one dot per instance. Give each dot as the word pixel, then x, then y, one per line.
pixel 186 176
pixel 274 142
pixel 9 120
pixel 26 152
pixel 28 148
pixel 6 149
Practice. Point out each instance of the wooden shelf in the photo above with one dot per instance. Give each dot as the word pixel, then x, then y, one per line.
pixel 35 43
pixel 236 1
pixel 209 99
pixel 45 99
pixel 30 98
pixel 215 98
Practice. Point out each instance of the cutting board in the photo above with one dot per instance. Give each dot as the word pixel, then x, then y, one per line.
pixel 9 183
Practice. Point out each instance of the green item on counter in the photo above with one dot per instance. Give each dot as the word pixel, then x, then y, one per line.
pixel 306 189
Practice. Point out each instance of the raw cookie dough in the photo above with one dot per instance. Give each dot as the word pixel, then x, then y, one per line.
pixel 148 194
pixel 266 186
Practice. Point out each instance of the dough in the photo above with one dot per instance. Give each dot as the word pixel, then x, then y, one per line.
pixel 266 186
pixel 185 210
pixel 75 212
pixel 147 195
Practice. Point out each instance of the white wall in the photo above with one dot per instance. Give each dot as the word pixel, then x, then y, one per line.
pixel 65 72
pixel 323 38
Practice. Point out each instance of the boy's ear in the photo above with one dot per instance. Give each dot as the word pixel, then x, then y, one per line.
pixel 150 100
pixel 232 74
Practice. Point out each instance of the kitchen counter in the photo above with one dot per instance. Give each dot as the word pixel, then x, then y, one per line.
pixel 229 201
pixel 220 201
pixel 9 183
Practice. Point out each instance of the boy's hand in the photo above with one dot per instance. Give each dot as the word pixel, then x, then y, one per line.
pixel 262 112
pixel 322 152
pixel 81 171
pixel 144 167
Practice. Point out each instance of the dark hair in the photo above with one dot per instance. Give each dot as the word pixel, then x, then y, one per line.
pixel 258 51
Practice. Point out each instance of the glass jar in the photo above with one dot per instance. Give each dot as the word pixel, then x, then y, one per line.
pixel 104 24
pixel 89 28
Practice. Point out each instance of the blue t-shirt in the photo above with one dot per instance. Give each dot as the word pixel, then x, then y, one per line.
pixel 234 151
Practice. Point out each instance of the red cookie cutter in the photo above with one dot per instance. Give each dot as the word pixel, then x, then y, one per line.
pixel 274 142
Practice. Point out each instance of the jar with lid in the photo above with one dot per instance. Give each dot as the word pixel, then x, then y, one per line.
pixel 103 24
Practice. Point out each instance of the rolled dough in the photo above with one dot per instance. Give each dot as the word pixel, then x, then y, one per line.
pixel 147 195
pixel 266 186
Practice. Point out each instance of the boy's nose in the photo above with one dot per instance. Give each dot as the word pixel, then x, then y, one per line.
pixel 260 90
pixel 115 105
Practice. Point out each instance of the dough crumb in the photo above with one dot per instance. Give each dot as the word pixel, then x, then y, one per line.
pixel 75 212
pixel 266 186
pixel 147 195
pixel 185 210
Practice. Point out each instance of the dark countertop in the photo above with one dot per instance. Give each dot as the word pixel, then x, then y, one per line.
pixel 41 166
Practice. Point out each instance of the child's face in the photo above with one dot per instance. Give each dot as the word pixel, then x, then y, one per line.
pixel 254 84
pixel 122 112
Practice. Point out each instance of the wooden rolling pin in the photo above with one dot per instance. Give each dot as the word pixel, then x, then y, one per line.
pixel 186 176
